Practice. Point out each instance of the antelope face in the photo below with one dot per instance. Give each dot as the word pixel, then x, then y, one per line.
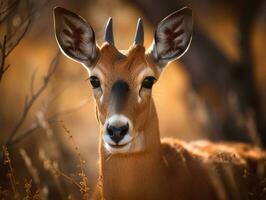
pixel 122 84
pixel 122 80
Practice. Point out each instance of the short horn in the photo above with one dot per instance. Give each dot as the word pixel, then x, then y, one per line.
pixel 139 37
pixel 108 35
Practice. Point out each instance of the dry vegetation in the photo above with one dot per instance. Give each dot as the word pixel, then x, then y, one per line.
pixel 16 17
pixel 40 158
pixel 31 188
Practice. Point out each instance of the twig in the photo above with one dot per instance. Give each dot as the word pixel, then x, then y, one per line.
pixel 32 82
pixel 6 11
pixel 8 8
pixel 29 102
pixel 30 166
pixel 84 185
pixel 3 68
pixel 52 166
pixel 25 27
pixel 68 178
pixel 11 176
pixel 26 24
pixel 52 119
pixel 12 40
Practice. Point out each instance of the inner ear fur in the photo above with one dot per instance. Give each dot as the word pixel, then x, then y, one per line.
pixel 172 37
pixel 75 37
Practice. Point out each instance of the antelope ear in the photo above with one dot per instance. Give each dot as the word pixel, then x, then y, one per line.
pixel 75 37
pixel 172 36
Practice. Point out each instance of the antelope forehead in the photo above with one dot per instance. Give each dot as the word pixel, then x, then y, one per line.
pixel 146 71
pixel 138 73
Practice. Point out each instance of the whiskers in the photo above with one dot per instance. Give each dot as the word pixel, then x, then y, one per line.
pixel 108 155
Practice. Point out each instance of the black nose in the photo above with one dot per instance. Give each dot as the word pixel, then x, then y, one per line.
pixel 117 133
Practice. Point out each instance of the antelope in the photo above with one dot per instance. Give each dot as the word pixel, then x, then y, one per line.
pixel 134 162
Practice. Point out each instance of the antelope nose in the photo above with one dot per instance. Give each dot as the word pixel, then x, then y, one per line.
pixel 117 133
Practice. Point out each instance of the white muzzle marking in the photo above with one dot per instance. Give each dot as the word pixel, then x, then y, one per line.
pixel 131 142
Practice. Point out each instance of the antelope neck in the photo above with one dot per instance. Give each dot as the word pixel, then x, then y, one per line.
pixel 125 174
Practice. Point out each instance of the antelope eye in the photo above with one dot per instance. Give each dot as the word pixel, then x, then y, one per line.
pixel 95 82
pixel 148 82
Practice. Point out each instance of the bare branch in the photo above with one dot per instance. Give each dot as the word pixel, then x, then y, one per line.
pixel 16 35
pixel 12 41
pixel 6 9
pixel 32 82
pixel 52 119
pixel 13 37
pixel 3 69
pixel 29 102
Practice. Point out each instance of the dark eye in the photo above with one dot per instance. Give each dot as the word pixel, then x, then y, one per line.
pixel 148 82
pixel 95 82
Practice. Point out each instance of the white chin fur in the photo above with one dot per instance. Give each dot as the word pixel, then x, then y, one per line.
pixel 117 150
pixel 134 146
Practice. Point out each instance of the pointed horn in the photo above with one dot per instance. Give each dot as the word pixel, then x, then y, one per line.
pixel 108 35
pixel 139 37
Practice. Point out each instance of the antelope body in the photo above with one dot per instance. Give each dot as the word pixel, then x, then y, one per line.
pixel 134 162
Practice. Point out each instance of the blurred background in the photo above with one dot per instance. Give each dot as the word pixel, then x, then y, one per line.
pixel 216 91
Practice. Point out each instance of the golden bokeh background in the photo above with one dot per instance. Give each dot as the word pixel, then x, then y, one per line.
pixel 181 112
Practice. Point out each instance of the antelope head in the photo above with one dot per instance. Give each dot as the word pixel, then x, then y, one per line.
pixel 122 81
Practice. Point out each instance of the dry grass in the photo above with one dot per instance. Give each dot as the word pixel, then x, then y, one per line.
pixel 83 184
pixel 33 188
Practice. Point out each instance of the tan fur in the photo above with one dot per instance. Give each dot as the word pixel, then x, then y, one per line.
pixel 169 169
pixel 143 166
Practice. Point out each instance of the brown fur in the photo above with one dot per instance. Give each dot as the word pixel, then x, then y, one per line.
pixel 149 168
pixel 170 169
